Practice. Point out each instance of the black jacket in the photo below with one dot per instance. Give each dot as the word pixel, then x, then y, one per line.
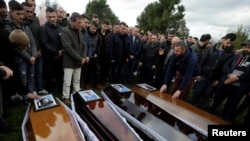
pixel 50 39
pixel 212 63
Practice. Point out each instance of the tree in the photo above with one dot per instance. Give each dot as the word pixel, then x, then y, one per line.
pixel 103 10
pixel 162 16
pixel 242 35
pixel 52 4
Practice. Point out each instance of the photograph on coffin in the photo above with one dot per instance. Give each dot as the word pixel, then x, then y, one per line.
pixel 45 102
pixel 121 88
pixel 89 95
pixel 147 87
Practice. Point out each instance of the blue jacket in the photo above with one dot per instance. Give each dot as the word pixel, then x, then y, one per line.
pixel 187 66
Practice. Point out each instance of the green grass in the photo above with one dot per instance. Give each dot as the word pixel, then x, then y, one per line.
pixel 16 114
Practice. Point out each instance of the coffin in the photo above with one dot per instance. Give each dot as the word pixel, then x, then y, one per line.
pixel 102 119
pixel 140 118
pixel 159 116
pixel 53 124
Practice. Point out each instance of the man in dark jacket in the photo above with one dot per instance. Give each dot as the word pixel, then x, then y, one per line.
pixel 210 69
pixel 183 66
pixel 103 35
pixel 236 84
pixel 74 56
pixel 93 69
pixel 149 59
pixel 165 52
pixel 119 53
pixel 136 47
pixel 52 51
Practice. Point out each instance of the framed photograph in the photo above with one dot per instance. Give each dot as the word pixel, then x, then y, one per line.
pixel 147 87
pixel 120 88
pixel 89 95
pixel 45 102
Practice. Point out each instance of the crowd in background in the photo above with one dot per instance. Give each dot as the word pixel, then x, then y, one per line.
pixel 72 52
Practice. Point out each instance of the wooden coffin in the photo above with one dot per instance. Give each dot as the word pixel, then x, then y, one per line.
pixel 102 118
pixel 184 117
pixel 183 112
pixel 141 114
pixel 52 124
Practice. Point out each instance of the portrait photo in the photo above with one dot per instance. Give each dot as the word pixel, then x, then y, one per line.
pixel 45 102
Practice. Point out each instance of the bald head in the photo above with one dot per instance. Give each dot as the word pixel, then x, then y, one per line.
pixel 60 12
pixel 174 41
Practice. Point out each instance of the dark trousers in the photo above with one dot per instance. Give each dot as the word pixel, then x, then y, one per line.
pixel 93 72
pixel 131 69
pixel 202 91
pixel 104 70
pixel 39 74
pixel 233 95
pixel 53 73
pixel 185 91
pixel 118 72
pixel 148 75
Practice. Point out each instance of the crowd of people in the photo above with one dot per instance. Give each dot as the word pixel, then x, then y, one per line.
pixel 68 53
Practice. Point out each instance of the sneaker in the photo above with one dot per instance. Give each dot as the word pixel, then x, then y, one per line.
pixel 43 91
pixel 67 101
pixel 16 97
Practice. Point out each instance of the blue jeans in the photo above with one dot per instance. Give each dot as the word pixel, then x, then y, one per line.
pixel 25 77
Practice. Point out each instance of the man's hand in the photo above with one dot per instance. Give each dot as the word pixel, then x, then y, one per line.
pixel 161 51
pixel 140 64
pixel 163 88
pixel 60 54
pixel 32 60
pixel 83 61
pixel 233 77
pixel 131 57
pixel 154 66
pixel 87 59
pixel 8 71
pixel 198 78
pixel 176 94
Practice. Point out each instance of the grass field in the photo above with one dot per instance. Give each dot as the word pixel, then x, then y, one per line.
pixel 17 111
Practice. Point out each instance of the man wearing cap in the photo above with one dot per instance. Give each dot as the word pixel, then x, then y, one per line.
pixel 183 64
pixel 236 83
